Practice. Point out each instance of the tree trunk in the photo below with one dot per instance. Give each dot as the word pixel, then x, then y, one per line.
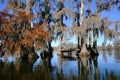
pixel 90 31
pixel 90 39
pixel 104 42
pixel 84 51
pixel 61 34
pixel 19 3
pixel 82 13
pixel 28 6
pixel 95 51
pixel 78 46
pixel 30 51
pixel 78 24
pixel 29 11
pixel 60 44
pixel 95 42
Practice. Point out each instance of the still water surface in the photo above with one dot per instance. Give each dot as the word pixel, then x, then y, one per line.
pixel 104 67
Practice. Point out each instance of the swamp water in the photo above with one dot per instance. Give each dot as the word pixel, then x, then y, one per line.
pixel 104 67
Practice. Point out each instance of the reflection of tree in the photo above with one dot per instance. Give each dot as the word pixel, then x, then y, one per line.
pixel 88 69
pixel 111 76
pixel 97 72
pixel 60 65
pixel 91 68
pixel 117 44
pixel 110 52
pixel 117 55
pixel 47 63
pixel 46 57
pixel 84 69
pixel 104 55
pixel 22 70
pixel 1 68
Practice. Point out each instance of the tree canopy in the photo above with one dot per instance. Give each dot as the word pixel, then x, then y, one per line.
pixel 35 23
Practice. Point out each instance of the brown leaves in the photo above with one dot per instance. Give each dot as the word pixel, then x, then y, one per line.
pixel 8 31
pixel 39 45
pixel 4 17
pixel 16 31
pixel 12 47
pixel 28 35
pixel 39 32
pixel 9 46
pixel 24 15
pixel 17 48
pixel 4 14
pixel 27 42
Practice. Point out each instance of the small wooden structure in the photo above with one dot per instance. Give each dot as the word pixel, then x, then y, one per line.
pixel 68 52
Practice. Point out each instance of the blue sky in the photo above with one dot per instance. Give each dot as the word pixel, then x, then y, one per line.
pixel 2 5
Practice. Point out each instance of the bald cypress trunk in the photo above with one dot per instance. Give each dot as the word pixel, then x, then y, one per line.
pixel 28 6
pixel 29 11
pixel 61 25
pixel 90 39
pixel 84 51
pixel 94 50
pixel 95 40
pixel 90 31
pixel 60 44
pixel 78 24
pixel 29 52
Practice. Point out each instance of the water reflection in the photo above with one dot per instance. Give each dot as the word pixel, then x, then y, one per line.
pixel 117 55
pixel 102 67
